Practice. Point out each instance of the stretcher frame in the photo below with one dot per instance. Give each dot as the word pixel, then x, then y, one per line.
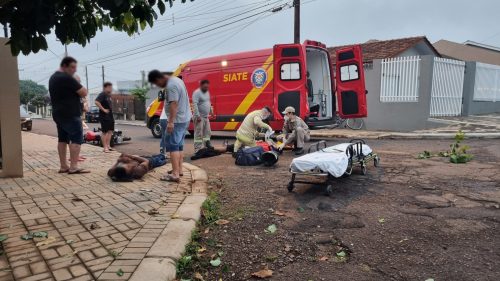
pixel 355 156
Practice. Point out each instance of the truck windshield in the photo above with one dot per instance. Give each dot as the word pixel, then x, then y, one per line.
pixel 319 84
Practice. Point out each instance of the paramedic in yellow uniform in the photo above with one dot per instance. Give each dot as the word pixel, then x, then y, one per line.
pixel 245 136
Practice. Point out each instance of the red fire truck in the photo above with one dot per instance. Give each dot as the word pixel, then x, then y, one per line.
pixel 298 75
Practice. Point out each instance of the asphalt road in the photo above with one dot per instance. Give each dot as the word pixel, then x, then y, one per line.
pixel 142 143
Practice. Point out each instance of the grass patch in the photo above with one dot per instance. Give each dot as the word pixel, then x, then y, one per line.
pixel 211 208
pixel 241 213
pixel 193 259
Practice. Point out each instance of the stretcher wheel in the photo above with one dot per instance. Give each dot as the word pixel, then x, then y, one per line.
pixel 363 169
pixel 376 161
pixel 290 187
pixel 329 190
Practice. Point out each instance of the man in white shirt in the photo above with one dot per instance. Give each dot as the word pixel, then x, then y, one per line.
pixel 164 118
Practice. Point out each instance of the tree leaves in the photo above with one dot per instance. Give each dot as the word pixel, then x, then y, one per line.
pixel 73 21
pixel 271 229
pixel 216 262
pixel 33 93
pixel 264 273
pixel 120 272
pixel 161 6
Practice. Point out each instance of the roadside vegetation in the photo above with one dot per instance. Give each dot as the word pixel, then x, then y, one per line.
pixel 197 258
pixel 457 153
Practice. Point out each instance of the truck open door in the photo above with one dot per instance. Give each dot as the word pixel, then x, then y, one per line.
pixel 350 83
pixel 290 69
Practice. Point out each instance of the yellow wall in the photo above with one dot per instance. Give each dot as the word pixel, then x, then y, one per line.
pixel 10 128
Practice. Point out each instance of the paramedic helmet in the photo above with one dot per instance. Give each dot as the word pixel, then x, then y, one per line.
pixel 266 113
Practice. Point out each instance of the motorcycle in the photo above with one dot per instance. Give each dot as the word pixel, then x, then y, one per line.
pixel 94 137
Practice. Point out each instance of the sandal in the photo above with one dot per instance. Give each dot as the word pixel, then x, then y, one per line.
pixel 170 178
pixel 170 172
pixel 63 171
pixel 78 171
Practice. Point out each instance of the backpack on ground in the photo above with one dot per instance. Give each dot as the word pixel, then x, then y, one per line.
pixel 251 156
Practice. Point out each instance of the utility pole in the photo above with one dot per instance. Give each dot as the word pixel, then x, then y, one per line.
pixel 296 26
pixel 143 74
pixel 87 77
pixel 5 31
pixel 103 74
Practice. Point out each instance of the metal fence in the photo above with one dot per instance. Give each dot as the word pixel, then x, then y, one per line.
pixel 487 85
pixel 400 79
pixel 447 87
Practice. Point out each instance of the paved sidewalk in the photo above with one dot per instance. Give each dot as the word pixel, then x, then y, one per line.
pixel 97 229
pixel 484 126
pixel 139 123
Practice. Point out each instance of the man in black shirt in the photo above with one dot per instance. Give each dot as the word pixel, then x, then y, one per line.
pixel 103 101
pixel 65 93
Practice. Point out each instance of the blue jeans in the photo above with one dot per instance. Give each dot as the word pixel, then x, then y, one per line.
pixel 164 135
pixel 176 138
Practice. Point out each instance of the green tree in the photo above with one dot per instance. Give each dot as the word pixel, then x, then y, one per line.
pixel 140 93
pixel 33 93
pixel 30 21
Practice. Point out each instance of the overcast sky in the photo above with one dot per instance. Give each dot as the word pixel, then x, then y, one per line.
pixel 334 22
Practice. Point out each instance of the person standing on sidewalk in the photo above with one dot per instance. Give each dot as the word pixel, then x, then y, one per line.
pixel 179 115
pixel 65 94
pixel 103 101
pixel 164 118
pixel 202 108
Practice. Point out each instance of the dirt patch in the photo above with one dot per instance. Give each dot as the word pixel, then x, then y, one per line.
pixel 406 220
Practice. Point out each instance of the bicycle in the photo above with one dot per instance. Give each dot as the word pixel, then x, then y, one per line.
pixel 351 123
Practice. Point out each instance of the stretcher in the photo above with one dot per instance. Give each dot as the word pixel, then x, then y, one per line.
pixel 331 162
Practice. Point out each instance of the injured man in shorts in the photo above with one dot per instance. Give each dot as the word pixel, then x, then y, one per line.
pixel 129 167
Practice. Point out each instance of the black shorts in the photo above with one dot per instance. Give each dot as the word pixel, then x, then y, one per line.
pixel 107 125
pixel 69 129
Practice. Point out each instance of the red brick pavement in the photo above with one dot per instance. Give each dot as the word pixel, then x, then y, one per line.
pixel 98 226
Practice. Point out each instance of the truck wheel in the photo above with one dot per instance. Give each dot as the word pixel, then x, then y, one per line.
pixel 28 128
pixel 156 128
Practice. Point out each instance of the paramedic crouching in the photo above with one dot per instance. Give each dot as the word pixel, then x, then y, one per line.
pixel 245 136
pixel 296 131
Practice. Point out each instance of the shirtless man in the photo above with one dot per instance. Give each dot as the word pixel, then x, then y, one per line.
pixel 129 167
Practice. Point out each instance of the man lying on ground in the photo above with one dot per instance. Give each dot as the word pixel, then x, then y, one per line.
pixel 130 167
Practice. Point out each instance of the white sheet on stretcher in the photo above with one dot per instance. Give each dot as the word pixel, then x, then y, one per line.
pixel 332 159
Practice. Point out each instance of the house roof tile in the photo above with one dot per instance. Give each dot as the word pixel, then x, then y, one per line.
pixel 375 49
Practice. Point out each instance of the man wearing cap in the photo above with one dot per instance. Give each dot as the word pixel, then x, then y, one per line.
pixel 295 130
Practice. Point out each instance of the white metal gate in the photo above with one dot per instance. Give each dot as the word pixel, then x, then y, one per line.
pixel 447 87
pixel 487 85
pixel 400 79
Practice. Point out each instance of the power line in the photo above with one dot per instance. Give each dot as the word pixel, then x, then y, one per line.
pixel 178 35
pixel 215 36
pixel 491 37
pixel 137 49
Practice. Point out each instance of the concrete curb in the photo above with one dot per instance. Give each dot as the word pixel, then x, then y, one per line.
pixel 160 261
pixel 414 136
pixel 130 123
